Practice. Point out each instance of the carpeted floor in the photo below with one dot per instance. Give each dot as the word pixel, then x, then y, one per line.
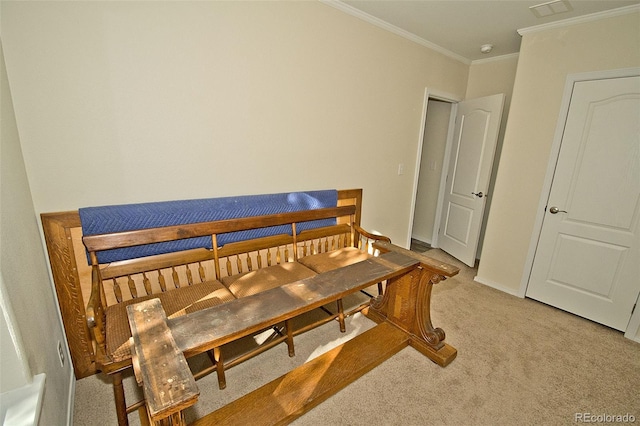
pixel 519 362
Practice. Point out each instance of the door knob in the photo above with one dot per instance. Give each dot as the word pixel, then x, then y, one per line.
pixel 478 194
pixel 554 210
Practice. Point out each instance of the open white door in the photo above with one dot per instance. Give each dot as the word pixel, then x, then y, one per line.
pixel 588 257
pixel 470 164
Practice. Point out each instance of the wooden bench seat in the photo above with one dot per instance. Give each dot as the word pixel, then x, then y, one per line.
pixel 259 280
pixel 329 261
pixel 175 303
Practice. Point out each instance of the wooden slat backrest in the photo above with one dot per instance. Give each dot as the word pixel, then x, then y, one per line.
pixel 243 256
pixel 321 240
pixel 133 278
pixel 160 261
pixel 95 243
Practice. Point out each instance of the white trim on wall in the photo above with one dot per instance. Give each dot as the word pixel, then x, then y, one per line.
pixel 581 19
pixel 548 180
pixel 495 58
pixel 71 395
pixel 392 28
pixel 416 171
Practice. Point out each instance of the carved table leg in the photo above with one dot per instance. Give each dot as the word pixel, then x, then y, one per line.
pixel 406 303
pixel 427 339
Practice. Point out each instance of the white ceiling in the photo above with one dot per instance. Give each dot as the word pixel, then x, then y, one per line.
pixel 460 27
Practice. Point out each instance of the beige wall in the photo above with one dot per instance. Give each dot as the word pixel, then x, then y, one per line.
pixel 24 283
pixel 490 77
pixel 121 102
pixel 546 58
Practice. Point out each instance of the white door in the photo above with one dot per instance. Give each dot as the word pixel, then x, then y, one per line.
pixel 587 261
pixel 470 163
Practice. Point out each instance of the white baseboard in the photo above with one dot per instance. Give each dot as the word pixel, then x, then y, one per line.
pixel 497 286
pixel 72 397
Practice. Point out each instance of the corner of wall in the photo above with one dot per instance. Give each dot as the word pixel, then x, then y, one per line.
pixel 25 277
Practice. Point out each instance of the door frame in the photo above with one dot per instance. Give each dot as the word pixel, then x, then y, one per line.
pixel 633 329
pixel 453 100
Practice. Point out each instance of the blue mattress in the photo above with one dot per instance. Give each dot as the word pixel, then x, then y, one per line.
pixel 127 217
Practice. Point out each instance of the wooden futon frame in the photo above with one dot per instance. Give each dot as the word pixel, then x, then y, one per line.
pixel 201 300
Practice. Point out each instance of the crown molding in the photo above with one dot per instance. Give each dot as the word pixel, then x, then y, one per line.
pixel 495 58
pixel 392 28
pixel 581 19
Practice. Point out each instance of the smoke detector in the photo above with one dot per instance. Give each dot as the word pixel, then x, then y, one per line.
pixel 486 48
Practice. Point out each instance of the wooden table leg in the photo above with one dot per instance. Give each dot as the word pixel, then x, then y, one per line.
pixel 406 303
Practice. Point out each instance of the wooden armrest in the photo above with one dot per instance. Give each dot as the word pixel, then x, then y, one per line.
pixel 435 265
pixel 95 315
pixel 91 316
pixel 371 236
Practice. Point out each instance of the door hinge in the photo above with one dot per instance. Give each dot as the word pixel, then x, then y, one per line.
pixel 634 308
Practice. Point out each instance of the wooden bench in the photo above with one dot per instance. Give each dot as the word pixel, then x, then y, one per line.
pixel 409 278
pixel 95 316
pixel 189 281
pixel 72 274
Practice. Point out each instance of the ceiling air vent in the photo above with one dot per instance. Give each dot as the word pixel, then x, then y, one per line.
pixel 551 8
